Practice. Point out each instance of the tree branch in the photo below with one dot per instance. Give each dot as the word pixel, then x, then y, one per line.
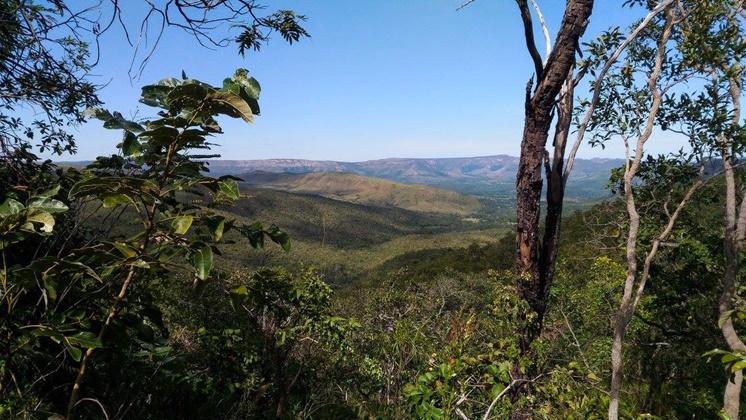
pixel 528 31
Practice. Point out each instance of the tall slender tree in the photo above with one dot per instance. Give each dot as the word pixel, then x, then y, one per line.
pixel 550 90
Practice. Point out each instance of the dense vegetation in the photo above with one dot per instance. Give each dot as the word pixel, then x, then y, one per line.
pixel 139 287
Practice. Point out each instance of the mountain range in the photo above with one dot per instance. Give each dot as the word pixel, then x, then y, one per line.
pixel 484 175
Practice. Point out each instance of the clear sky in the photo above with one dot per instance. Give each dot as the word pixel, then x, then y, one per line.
pixel 378 79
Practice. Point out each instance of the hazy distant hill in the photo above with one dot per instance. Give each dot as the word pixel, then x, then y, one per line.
pixel 486 175
pixel 367 190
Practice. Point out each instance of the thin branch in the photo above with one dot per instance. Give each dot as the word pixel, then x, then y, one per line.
pixel 528 30
pixel 465 4
pixel 101 406
pixel 601 75
pixel 544 30
pixel 575 340
pixel 497 398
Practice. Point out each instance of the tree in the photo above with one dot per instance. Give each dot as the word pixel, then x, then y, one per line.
pixel 48 57
pixel 552 89
pixel 715 36
pixel 623 109
pixel 697 40
pixel 292 328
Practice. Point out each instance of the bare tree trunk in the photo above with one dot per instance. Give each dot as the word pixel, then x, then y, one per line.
pixel 732 245
pixel 735 230
pixel 630 298
pixel 732 395
pixel 535 258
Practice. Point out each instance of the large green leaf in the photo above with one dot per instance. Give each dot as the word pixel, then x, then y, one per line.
pixel 51 192
pixel 230 188
pixel 181 224
pixel 42 217
pixel 116 200
pixel 230 104
pixel 279 237
pixel 186 96
pixel 250 85
pixel 203 262
pixel 10 206
pixel 126 250
pixel 216 225
pixel 161 136
pixel 246 87
pixel 254 233
pixel 130 145
pixel 75 352
pixel 156 95
pixel 85 339
pixel 47 204
pixel 113 121
pixel 113 185
pixel 739 365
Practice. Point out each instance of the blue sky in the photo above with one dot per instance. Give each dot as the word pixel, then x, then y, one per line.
pixel 378 79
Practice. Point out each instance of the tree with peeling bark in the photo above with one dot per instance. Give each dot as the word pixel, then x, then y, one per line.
pixel 551 89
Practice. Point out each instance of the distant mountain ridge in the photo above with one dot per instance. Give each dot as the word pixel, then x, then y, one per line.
pixel 482 175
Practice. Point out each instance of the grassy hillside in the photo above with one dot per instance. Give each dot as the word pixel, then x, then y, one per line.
pixel 347 240
pixel 370 191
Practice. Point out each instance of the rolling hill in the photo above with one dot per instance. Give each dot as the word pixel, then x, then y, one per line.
pixel 347 241
pixel 367 190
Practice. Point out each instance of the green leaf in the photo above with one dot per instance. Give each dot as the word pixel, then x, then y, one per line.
pixel 186 96
pixel 723 415
pixel 130 145
pixel 44 331
pixel 203 262
pixel 729 357
pixel 279 237
pixel 739 365
pixel 47 204
pixel 181 224
pixel 161 136
pixel 246 87
pixel 126 250
pixel 230 188
pixel 238 295
pixel 114 121
pixel 724 317
pixel 113 185
pixel 713 352
pixel 140 264
pixel 43 217
pixel 10 206
pixel 232 105
pixel 254 233
pixel 156 95
pixel 50 193
pixel 49 287
pixel 116 200
pixel 75 352
pixel 86 340
pixel 250 85
pixel 216 226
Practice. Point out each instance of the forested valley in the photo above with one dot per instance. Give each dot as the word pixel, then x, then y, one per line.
pixel 143 286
